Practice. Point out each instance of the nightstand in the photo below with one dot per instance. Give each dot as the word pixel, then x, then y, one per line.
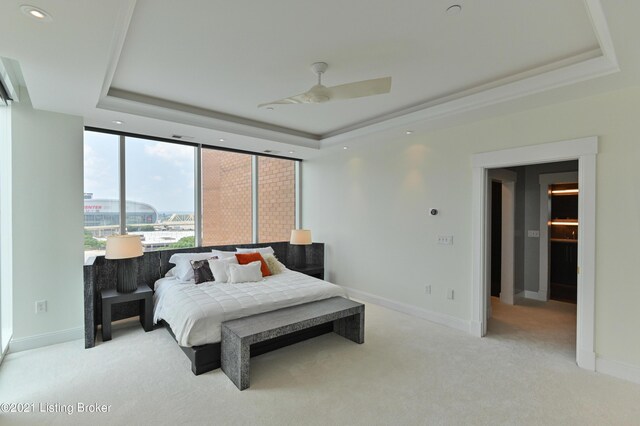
pixel 316 271
pixel 111 297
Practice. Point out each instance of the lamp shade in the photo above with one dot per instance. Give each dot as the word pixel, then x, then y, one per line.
pixel 300 237
pixel 123 247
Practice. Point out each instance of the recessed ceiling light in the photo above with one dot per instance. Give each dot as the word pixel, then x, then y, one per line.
pixel 36 13
pixel 291 152
pixel 118 122
pixel 270 108
pixel 408 132
pixel 454 9
pixel 221 140
pixel 345 147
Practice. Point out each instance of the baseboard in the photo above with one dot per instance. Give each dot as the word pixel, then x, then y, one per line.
pixel 586 359
pixel 5 352
pixel 475 328
pixel 436 317
pixel 618 369
pixel 535 295
pixel 46 339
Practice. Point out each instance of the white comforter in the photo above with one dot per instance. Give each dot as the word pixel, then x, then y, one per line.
pixel 196 312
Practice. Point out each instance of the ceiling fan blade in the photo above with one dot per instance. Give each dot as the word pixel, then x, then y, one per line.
pixel 297 99
pixel 376 86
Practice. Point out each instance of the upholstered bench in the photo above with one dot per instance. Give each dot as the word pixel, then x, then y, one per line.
pixel 238 335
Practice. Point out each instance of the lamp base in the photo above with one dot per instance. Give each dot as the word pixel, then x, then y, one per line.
pixel 299 256
pixel 127 281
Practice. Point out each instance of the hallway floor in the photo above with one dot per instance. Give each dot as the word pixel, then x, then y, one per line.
pixel 549 327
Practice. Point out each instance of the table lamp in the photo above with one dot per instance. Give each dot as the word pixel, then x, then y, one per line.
pixel 124 248
pixel 299 239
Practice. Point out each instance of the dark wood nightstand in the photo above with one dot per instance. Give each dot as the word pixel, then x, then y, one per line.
pixel 111 297
pixel 316 271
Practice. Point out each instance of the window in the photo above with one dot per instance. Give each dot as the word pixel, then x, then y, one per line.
pixel 6 233
pixel 276 199
pixel 226 198
pixel 242 198
pixel 160 191
pixel 101 190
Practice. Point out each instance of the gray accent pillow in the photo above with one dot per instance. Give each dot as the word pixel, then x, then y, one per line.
pixel 202 271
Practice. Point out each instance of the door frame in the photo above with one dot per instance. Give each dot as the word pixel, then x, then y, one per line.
pixel 508 180
pixel 585 151
pixel 546 180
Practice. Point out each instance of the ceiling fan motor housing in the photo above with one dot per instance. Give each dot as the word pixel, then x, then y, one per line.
pixel 318 94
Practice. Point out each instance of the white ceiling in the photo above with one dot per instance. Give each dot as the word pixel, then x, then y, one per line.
pixel 200 67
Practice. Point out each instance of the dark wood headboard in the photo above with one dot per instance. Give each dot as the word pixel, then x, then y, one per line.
pixel 100 274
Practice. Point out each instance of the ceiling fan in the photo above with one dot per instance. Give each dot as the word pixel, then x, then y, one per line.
pixel 319 93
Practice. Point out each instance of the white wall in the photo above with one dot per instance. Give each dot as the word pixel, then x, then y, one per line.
pixel 47 179
pixel 369 205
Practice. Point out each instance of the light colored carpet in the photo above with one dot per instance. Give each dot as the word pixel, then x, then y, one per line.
pixel 408 372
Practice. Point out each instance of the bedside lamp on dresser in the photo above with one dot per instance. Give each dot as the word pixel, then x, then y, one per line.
pixel 124 248
pixel 299 239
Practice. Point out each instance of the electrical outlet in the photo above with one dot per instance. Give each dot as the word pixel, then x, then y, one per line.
pixel 450 294
pixel 446 240
pixel 427 289
pixel 41 306
pixel 533 234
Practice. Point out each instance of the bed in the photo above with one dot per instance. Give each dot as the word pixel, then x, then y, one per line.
pixel 195 313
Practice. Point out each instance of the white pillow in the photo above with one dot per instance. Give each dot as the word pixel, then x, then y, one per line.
pixel 223 254
pixel 170 273
pixel 245 273
pixel 220 268
pixel 261 250
pixel 274 264
pixel 183 270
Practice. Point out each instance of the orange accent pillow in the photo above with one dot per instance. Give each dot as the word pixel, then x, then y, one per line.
pixel 244 258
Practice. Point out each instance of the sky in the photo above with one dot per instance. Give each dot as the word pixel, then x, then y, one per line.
pixel 157 173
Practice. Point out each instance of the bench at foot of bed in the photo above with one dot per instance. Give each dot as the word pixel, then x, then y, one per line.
pixel 342 316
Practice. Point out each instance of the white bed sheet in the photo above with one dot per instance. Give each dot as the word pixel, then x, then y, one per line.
pixel 196 312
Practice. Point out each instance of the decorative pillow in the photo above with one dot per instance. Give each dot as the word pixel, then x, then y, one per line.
pixel 201 270
pixel 245 273
pixel 274 265
pixel 220 268
pixel 261 250
pixel 183 270
pixel 223 254
pixel 171 272
pixel 245 258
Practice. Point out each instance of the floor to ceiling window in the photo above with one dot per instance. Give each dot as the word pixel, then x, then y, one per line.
pixel 6 250
pixel 160 191
pixel 276 199
pixel 101 190
pixel 243 198
pixel 226 197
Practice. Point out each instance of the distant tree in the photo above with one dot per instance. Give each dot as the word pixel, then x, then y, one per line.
pixel 184 242
pixel 91 243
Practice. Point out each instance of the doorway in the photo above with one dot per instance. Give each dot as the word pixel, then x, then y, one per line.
pixel 545 198
pixel 585 151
